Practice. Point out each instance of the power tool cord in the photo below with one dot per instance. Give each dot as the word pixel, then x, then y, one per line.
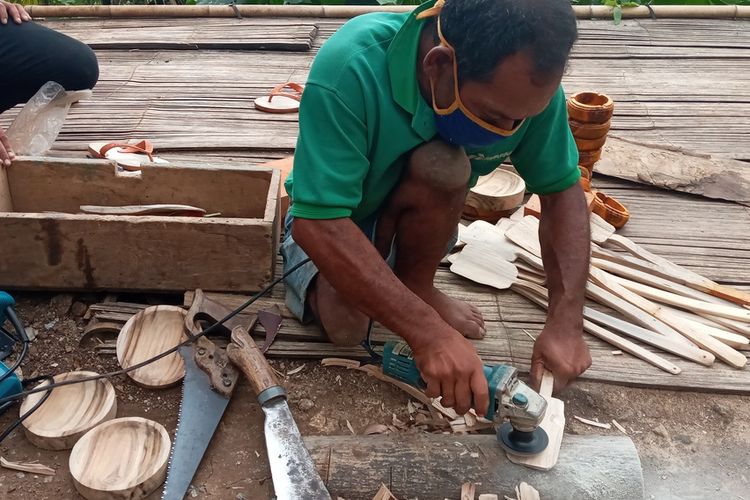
pixel 24 342
pixel 208 330
pixel 10 428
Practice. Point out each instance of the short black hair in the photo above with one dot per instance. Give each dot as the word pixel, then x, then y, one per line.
pixel 484 32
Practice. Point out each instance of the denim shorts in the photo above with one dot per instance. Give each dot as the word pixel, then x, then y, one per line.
pixel 299 281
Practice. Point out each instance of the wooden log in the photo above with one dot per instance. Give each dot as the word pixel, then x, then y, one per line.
pixel 434 466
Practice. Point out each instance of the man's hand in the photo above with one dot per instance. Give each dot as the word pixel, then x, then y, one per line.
pixel 564 353
pixel 6 152
pixel 451 367
pixel 13 11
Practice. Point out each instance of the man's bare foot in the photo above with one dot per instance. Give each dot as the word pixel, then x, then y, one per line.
pixel 461 315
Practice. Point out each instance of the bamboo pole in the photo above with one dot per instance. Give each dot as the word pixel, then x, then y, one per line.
pixel 347 11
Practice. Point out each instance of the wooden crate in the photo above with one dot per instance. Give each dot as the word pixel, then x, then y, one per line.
pixel 45 243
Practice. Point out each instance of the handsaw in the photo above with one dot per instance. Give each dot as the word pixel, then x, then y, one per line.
pixel 209 382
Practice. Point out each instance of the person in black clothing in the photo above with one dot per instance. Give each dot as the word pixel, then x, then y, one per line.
pixel 30 56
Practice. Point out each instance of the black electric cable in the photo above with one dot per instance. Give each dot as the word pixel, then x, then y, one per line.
pixel 26 415
pixel 24 339
pixel 190 339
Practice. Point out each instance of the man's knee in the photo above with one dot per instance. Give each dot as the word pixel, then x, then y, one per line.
pixel 440 165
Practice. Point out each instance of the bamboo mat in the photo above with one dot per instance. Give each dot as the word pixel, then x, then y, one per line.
pixel 230 34
pixel 682 83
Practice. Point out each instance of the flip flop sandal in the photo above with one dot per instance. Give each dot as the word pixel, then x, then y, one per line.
pixel 279 101
pixel 610 209
pixel 126 155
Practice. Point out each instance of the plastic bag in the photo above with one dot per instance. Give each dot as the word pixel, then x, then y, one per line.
pixel 37 125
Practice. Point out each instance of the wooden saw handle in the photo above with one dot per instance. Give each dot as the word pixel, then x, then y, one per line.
pixel 244 353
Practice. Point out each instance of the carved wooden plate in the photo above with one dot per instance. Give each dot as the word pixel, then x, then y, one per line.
pixel 122 458
pixel 148 333
pixel 495 195
pixel 69 412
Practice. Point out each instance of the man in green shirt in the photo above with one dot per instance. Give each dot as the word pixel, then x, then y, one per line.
pixel 400 115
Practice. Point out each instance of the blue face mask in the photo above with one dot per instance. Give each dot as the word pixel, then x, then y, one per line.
pixel 459 129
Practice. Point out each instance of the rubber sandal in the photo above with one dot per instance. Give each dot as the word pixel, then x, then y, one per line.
pixel 610 209
pixel 129 156
pixel 279 101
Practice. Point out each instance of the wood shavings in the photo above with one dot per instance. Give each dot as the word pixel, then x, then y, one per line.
pixel 376 429
pixel 593 423
pixel 351 429
pixel 468 490
pixel 524 491
pixel 32 468
pixel 619 427
pixel 296 370
pixel 617 353
pixel 384 494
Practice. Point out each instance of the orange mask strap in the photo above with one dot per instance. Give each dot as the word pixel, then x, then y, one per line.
pixel 435 11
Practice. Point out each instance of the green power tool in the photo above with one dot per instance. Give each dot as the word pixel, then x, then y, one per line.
pixel 509 398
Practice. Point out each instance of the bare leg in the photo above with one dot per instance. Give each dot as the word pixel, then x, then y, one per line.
pixel 423 213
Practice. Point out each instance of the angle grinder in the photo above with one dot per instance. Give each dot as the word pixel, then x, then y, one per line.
pixel 509 398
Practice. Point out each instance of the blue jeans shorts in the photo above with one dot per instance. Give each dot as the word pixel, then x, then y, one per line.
pixel 299 281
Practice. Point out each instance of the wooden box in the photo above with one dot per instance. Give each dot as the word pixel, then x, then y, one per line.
pixel 46 243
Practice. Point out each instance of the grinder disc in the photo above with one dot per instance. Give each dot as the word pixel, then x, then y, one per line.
pixel 522 443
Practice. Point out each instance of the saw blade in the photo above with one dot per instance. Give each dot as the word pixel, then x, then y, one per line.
pixel 201 410
pixel 292 468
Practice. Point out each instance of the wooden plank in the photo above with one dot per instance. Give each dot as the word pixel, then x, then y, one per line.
pixel 90 252
pixel 713 178
pixel 6 203
pixel 432 466
pixel 61 185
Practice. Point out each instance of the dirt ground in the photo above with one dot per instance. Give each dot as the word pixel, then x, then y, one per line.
pixel 692 445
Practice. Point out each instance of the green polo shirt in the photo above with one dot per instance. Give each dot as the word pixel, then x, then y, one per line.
pixel 362 112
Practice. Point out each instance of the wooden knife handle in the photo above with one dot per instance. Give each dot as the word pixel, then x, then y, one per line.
pixel 243 352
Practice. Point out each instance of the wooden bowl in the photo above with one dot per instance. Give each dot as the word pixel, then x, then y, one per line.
pixel 148 333
pixel 125 458
pixel 583 130
pixel 610 210
pixel 590 107
pixel 590 144
pixel 69 412
pixel 589 158
pixel 495 195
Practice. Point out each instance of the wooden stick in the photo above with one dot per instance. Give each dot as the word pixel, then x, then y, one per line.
pixel 347 11
pixel 679 348
pixel 610 337
pixel 714 329
pixel 692 279
pixel 688 303
pixel 693 331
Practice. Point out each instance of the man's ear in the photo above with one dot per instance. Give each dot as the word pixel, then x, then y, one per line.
pixel 438 63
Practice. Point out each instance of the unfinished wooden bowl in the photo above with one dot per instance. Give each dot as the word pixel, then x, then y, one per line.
pixel 125 458
pixel 494 196
pixel 69 412
pixel 148 333
pixel 583 130
pixel 590 107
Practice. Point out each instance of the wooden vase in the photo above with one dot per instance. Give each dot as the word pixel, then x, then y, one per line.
pixel 148 333
pixel 125 458
pixel 69 412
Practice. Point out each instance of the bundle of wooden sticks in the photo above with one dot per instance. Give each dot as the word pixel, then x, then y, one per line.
pixel 663 305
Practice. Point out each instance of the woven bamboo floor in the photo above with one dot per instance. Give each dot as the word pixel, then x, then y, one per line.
pixel 188 85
